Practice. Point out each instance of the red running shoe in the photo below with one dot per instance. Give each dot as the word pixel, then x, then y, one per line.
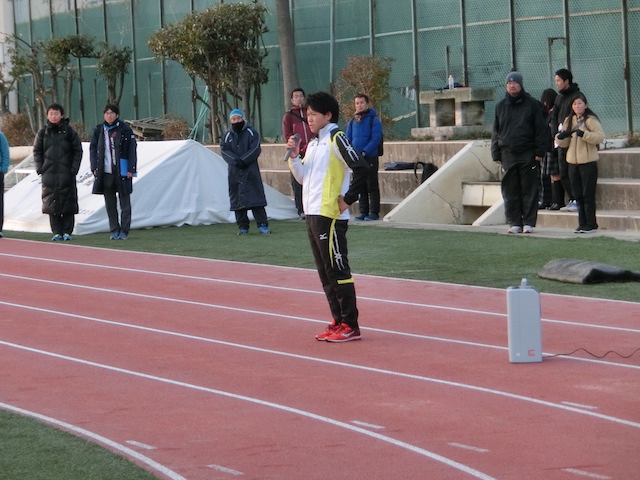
pixel 331 329
pixel 344 334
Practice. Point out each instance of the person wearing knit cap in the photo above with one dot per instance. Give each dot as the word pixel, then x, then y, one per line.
pixel 240 148
pixel 518 144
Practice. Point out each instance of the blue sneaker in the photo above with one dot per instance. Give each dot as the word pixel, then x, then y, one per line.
pixel 56 238
pixel 243 231
pixel 66 237
pixel 264 229
pixel 372 217
pixel 1 235
pixel 115 235
pixel 122 236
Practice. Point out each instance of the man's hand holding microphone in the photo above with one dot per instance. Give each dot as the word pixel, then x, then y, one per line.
pixel 293 147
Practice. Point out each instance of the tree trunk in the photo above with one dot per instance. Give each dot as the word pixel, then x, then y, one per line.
pixel 287 50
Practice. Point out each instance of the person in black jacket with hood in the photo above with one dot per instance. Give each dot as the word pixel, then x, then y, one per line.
pixel 240 148
pixel 518 144
pixel 113 153
pixel 57 153
pixel 567 91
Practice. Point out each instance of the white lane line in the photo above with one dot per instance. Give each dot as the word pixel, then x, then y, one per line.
pixel 282 315
pixel 438 381
pixel 295 411
pixel 313 292
pixel 579 405
pixel 367 425
pixel 469 447
pixel 152 464
pixel 143 446
pixel 582 473
pixel 222 469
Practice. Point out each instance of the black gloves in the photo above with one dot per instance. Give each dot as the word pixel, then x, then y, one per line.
pixel 240 164
pixel 563 135
pixel 580 133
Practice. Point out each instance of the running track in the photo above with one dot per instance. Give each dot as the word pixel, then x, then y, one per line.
pixel 200 369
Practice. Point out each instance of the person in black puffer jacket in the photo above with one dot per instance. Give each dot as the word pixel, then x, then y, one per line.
pixel 57 152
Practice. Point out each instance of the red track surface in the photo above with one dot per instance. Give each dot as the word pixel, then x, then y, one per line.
pixel 202 369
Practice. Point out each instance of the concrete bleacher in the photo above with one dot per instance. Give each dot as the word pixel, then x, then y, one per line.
pixel 394 185
pixel 618 194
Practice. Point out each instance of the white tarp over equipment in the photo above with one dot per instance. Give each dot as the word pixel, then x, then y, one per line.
pixel 179 182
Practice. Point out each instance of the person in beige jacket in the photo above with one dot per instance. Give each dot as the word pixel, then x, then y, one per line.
pixel 581 134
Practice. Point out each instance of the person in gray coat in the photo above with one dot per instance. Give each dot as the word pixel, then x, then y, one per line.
pixel 240 148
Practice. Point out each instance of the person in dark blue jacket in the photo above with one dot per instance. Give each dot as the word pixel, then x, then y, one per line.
pixel 240 148
pixel 113 157
pixel 364 131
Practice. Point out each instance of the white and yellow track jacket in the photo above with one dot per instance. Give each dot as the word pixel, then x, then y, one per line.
pixel 325 173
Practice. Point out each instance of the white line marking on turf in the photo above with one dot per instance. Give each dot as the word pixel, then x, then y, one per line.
pixel 367 425
pixel 398 443
pixel 469 447
pixel 222 469
pixel 144 446
pixel 96 438
pixel 586 474
pixel 579 405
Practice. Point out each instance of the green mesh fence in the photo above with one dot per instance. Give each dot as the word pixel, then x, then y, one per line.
pixel 328 31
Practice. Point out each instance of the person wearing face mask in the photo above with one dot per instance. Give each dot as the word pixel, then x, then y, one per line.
pixel 240 148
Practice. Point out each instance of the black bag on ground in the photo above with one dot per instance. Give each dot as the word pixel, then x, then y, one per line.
pixel 428 169
pixel 399 166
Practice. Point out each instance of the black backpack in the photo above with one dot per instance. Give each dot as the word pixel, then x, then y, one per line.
pixel 428 169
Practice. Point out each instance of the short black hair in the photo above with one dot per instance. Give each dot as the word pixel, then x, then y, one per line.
pixel 548 97
pixel 296 90
pixel 113 107
pixel 362 95
pixel 323 102
pixel 56 106
pixel 565 74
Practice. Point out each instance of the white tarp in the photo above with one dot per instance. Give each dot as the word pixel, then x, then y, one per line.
pixel 179 182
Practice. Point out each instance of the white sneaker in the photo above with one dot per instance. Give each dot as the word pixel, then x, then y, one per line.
pixel 515 229
pixel 571 206
pixel 527 229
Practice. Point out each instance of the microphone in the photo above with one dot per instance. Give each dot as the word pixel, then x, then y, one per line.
pixel 296 138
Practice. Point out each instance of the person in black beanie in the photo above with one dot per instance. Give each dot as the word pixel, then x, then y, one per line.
pixel 518 144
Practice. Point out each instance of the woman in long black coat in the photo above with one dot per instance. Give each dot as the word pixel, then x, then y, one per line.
pixel 57 152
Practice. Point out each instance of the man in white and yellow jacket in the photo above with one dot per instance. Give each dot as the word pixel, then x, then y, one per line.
pixel 327 192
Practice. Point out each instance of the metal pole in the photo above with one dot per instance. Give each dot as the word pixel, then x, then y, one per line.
pixel 372 29
pixel 134 61
pixel 567 42
pixel 627 65
pixel 463 37
pixel 332 35
pixel 512 29
pixel 416 68
pixel 80 77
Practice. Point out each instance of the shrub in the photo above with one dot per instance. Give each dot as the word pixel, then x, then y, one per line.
pixel 17 128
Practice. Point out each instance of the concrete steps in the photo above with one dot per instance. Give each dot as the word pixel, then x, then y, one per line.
pixel 618 193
